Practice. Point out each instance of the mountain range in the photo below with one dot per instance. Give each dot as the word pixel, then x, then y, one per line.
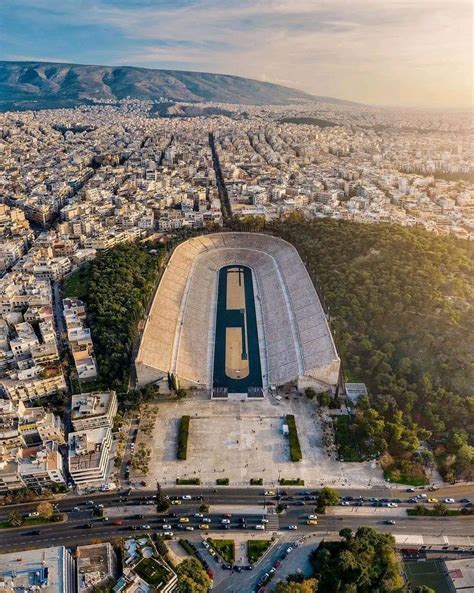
pixel 42 84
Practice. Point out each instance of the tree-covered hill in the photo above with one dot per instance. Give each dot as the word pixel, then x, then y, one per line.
pixel 401 303
pixel 116 287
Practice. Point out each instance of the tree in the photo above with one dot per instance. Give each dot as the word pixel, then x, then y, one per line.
pixel 192 578
pixel 204 508
pixel 326 497
pixel 15 519
pixel 423 589
pixel 360 562
pixel 305 586
pixel 45 510
pixel 310 392
pixel 162 503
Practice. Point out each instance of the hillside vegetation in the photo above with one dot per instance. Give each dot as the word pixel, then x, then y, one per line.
pixel 116 287
pixel 401 305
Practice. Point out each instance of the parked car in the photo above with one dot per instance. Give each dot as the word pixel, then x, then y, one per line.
pixel 293 527
pixel 449 500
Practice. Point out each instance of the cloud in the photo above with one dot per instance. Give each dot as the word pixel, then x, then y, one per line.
pixel 372 50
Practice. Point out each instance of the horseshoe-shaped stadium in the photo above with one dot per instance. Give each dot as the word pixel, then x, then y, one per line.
pixel 237 313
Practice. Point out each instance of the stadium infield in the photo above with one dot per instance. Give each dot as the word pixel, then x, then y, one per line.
pixel 237 364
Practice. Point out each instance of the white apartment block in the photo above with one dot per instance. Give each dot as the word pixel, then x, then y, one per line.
pixel 89 455
pixel 93 410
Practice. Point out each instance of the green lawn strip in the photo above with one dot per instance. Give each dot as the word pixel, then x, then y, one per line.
pixel 293 482
pixel 187 547
pixel 183 435
pixel 222 482
pixel 295 449
pixel 225 548
pixel 188 481
pixel 256 548
pixel 347 444
pixel 29 522
pixel 435 513
pixel 399 477
pixel 256 481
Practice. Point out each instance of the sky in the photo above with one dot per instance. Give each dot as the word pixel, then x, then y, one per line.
pixel 413 53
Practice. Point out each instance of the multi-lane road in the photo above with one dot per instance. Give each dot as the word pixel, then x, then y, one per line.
pixel 137 511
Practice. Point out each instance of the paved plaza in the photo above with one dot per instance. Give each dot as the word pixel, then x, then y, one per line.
pixel 241 440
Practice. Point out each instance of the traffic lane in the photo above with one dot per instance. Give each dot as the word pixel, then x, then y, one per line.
pixel 246 495
pixel 409 525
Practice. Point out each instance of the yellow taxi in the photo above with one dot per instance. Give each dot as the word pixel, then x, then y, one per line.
pixel 432 500
pixel 175 502
pixel 204 526
pixel 183 520
pixel 311 522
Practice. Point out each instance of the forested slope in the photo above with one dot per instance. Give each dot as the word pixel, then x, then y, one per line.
pixel 116 287
pixel 401 302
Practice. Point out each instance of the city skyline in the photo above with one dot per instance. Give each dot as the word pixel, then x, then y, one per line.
pixel 403 53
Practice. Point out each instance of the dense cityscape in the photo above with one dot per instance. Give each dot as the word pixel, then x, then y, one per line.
pixel 236 296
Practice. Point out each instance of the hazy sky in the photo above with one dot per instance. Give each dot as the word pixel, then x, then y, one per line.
pixel 392 52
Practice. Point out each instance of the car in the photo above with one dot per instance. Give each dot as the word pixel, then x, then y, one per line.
pixel 311 522
pixel 206 520
pixel 290 549
pixel 248 567
pixel 466 500
pixel 449 500
pixel 166 526
pixel 204 526
pixel 390 522
pixel 117 522
pixel 184 520
pixel 392 504
pixel 189 528
pixel 293 527
pixel 33 514
pixel 345 503
pixel 139 516
pixel 226 567
pixel 90 502
pixel 145 526
pixel 225 521
pixel 175 502
pixel 269 493
pixel 76 509
pixel 227 515
pixel 34 532
pixel 410 490
pixel 87 526
pixel 200 515
pixel 421 496
pixel 300 503
pixel 262 520
pixel 99 506
pixel 105 519
pixel 432 500
pixel 260 526
pixel 187 497
pixel 312 516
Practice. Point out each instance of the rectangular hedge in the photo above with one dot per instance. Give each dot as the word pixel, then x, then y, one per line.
pixel 183 435
pixel 222 482
pixel 295 449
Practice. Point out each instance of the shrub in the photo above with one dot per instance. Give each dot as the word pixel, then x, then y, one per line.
pixel 295 449
pixel 183 435
pixel 222 482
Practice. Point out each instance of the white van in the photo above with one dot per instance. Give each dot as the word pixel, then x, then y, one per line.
pixel 260 526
